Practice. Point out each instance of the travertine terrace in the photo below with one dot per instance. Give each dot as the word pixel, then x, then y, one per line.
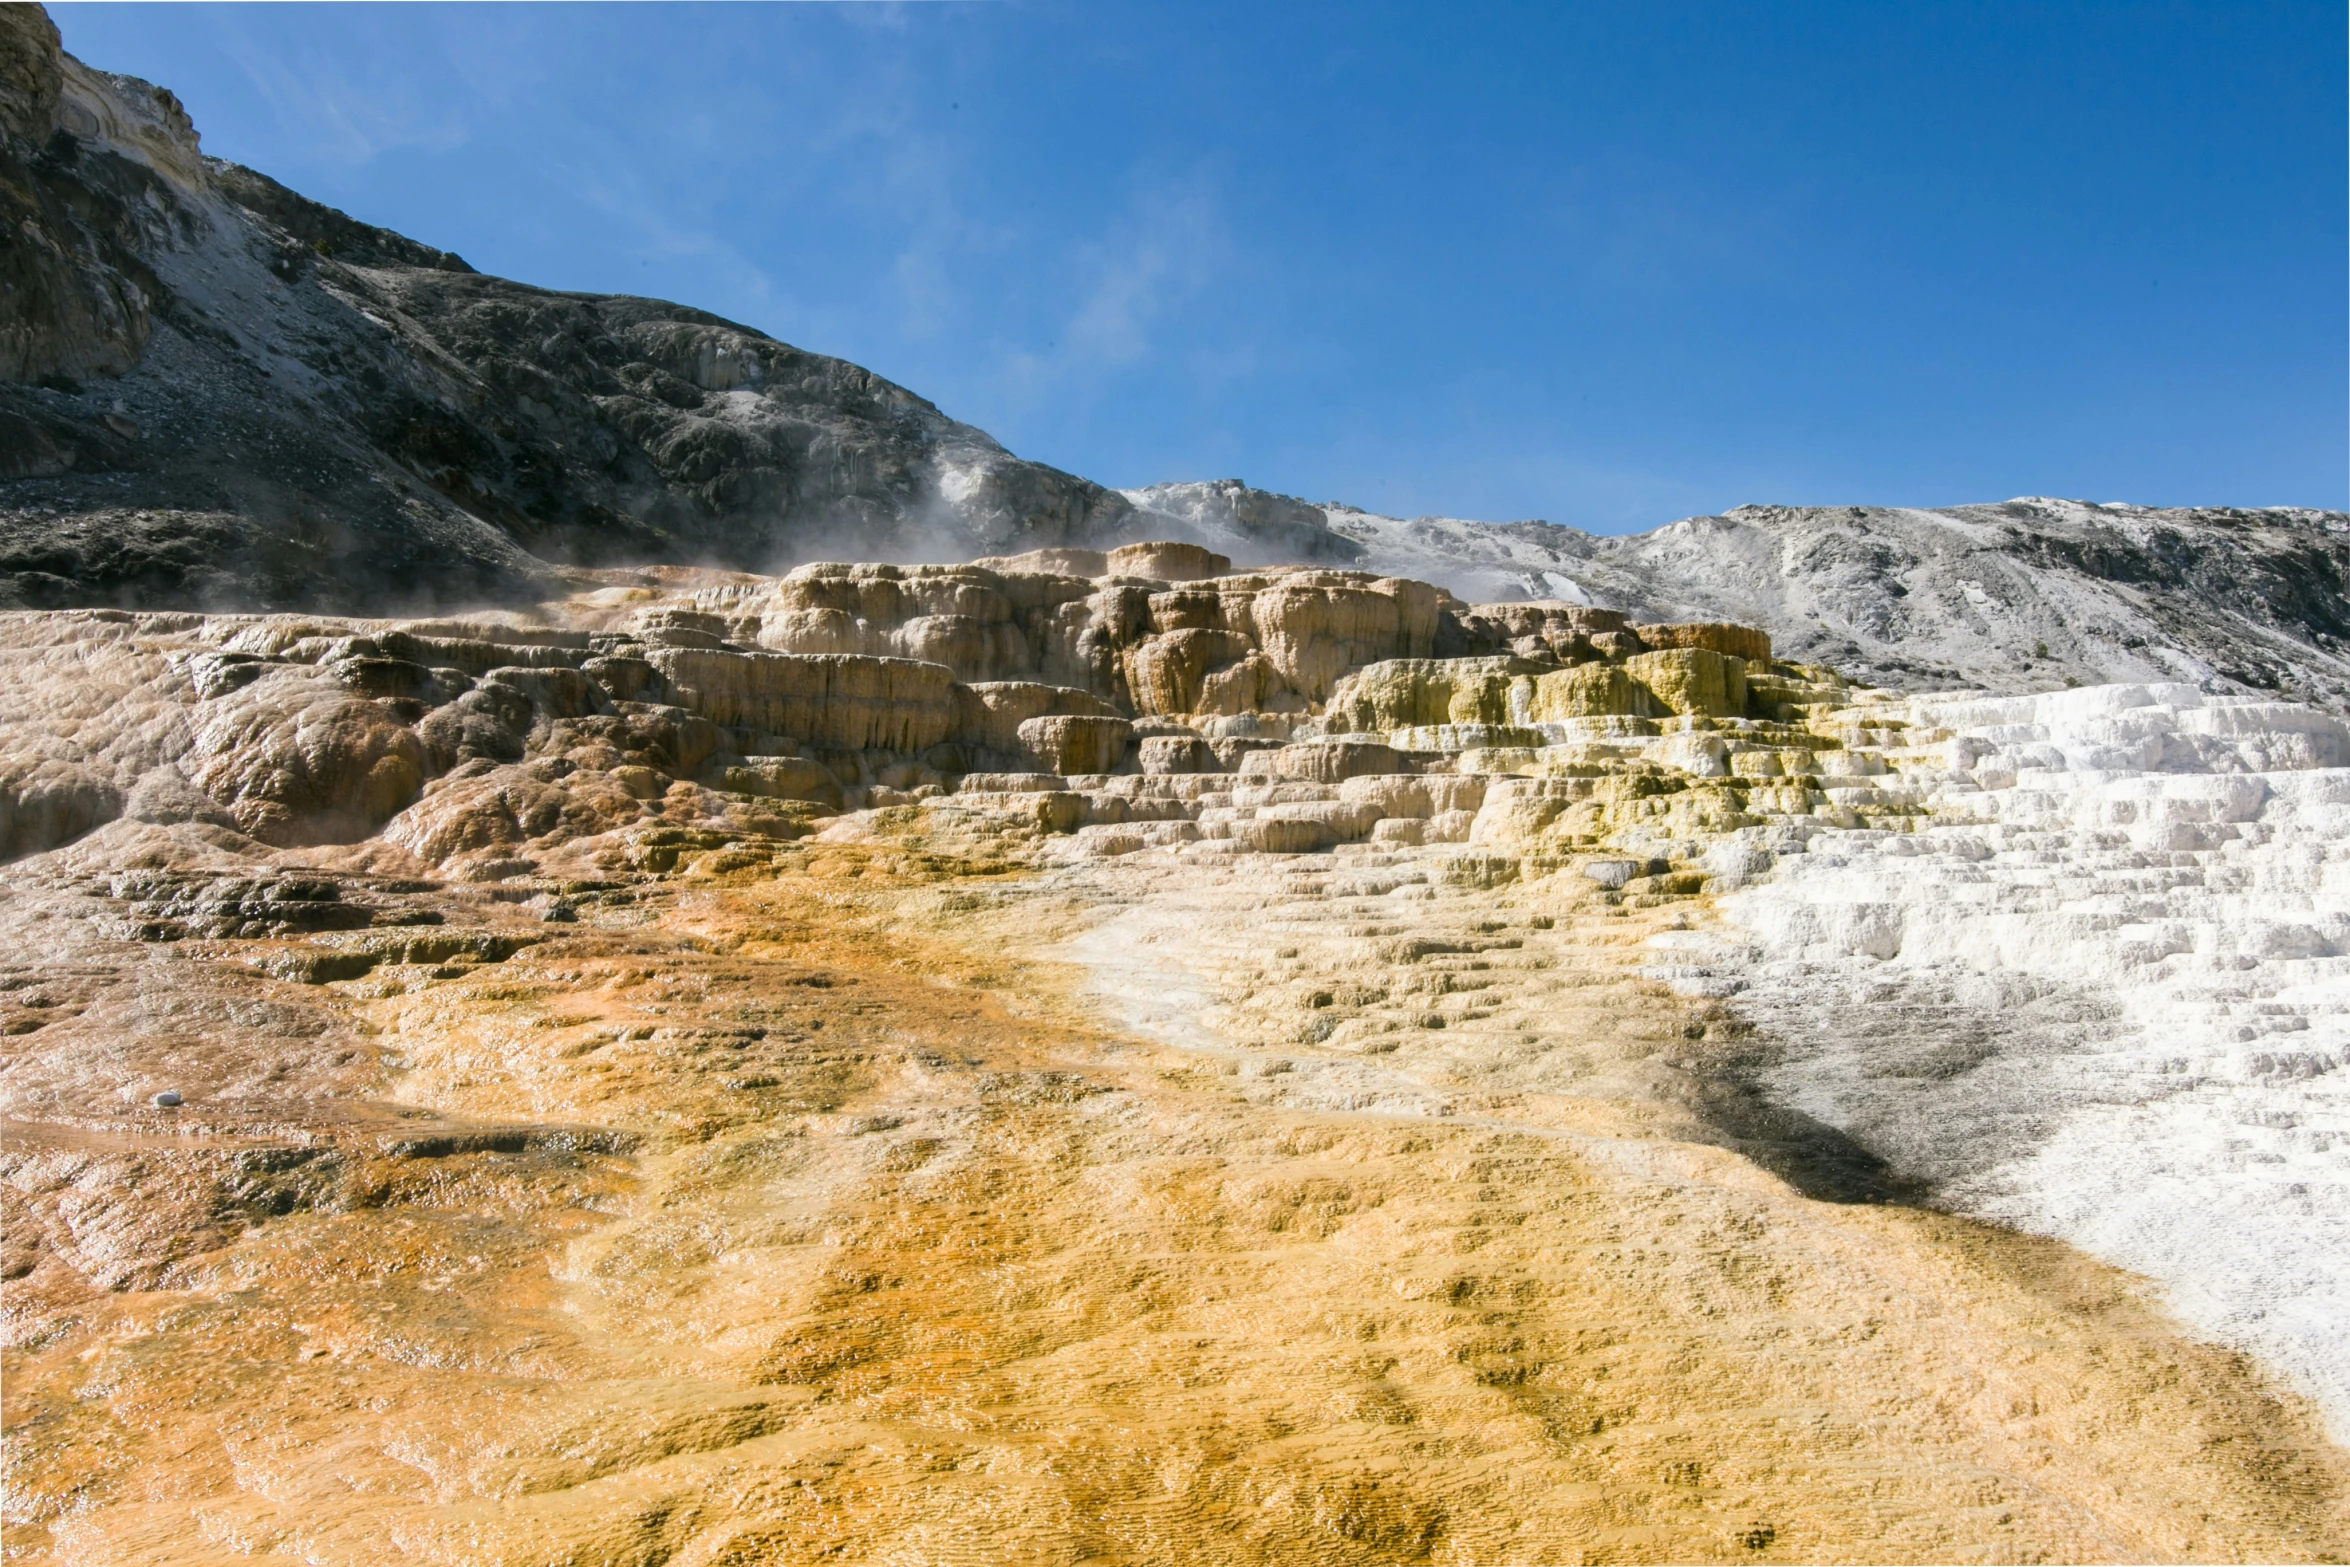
pixel 514 1051
pixel 1105 1057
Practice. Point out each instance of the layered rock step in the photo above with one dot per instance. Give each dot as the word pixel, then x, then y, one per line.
pixel 760 705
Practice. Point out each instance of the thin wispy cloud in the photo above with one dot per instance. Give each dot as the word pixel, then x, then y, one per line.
pixel 659 228
pixel 350 119
pixel 1155 257
pixel 1592 263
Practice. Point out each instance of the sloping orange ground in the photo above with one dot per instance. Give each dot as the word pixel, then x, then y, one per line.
pixel 917 1247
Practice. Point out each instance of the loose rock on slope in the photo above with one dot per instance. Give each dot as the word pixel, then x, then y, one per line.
pixel 216 393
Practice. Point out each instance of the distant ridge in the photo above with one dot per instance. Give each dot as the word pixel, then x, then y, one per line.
pixel 2017 596
pixel 218 394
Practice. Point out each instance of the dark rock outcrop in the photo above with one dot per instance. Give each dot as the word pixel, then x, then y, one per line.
pixel 215 392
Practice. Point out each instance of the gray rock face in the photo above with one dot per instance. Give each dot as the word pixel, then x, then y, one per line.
pixel 216 393
pixel 2019 596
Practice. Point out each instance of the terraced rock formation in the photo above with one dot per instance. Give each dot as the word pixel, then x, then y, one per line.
pixel 216 394
pixel 2026 595
pixel 1437 1043
pixel 1102 1055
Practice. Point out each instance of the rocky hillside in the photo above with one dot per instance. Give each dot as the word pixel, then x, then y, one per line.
pixel 1440 1042
pixel 717 1068
pixel 2015 597
pixel 216 392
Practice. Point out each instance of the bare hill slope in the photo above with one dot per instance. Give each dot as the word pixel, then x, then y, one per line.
pixel 215 392
pixel 2018 596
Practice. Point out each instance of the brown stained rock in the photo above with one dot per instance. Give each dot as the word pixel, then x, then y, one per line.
pixel 813 631
pixel 965 644
pixel 1069 745
pixel 296 765
pixel 1034 804
pixel 990 713
pixel 1323 762
pixel 47 803
pixel 1171 755
pixel 1167 672
pixel 1248 685
pixel 836 700
pixel 783 778
pixel 506 809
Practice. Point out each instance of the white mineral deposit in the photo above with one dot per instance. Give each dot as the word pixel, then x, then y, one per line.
pixel 621 943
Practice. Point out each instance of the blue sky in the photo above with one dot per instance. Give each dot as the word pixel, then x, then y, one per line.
pixel 1602 264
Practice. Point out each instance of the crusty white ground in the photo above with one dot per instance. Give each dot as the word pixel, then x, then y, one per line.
pixel 2104 996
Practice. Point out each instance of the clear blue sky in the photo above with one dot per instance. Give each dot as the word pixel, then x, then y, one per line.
pixel 1607 264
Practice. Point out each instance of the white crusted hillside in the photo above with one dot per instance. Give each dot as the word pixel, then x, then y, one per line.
pixel 2100 993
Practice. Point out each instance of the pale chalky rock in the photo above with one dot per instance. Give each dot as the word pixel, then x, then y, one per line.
pixel 1747 643
pixel 991 713
pixel 1402 693
pixel 1324 761
pixel 1314 627
pixel 1073 744
pixel 1692 681
pixel 1160 561
pixel 982 624
pixel 1247 686
pixel 842 701
pixel 2099 991
pixel 1424 795
pixel 1281 835
pixel 1588 691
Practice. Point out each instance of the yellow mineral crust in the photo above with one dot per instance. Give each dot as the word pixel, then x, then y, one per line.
pixel 887 1206
pixel 988 1063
